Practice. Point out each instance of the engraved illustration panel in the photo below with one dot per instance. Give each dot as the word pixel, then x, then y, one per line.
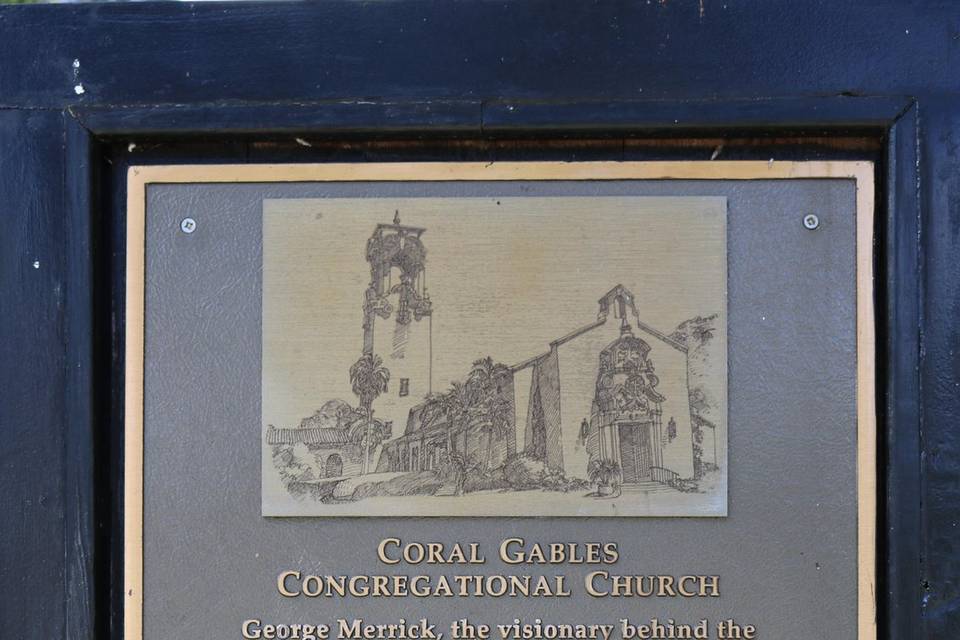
pixel 560 356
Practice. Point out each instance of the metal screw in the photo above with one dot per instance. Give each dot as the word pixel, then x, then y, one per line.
pixel 188 225
pixel 811 221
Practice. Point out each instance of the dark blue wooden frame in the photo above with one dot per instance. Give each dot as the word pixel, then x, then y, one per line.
pixel 241 82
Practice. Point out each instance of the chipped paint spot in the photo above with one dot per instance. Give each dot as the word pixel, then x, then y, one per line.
pixel 36 264
pixel 78 86
pixel 131 147
pixel 302 142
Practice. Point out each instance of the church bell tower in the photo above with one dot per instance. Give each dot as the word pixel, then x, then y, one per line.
pixel 397 317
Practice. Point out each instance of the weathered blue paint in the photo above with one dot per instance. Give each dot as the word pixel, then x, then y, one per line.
pixel 240 81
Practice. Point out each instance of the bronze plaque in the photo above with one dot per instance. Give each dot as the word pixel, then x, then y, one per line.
pixel 333 371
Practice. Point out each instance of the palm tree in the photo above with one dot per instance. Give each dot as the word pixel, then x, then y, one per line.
pixel 497 414
pixel 461 405
pixel 437 407
pixel 368 378
pixel 434 408
pixel 485 374
pixel 479 399
pixel 495 409
pixel 456 405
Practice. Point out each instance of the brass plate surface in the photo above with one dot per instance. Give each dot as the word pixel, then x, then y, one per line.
pixel 140 177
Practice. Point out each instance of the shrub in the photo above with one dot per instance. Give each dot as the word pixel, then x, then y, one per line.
pixel 522 472
pixel 418 483
pixel 604 472
pixel 479 479
pixel 685 486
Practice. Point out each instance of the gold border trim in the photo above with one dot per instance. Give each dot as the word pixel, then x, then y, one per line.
pixel 138 177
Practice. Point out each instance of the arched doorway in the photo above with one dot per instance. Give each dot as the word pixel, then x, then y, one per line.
pixel 627 401
pixel 334 466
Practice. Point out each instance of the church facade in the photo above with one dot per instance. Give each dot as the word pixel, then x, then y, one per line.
pixel 615 389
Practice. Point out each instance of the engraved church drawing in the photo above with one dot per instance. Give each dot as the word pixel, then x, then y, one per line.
pixel 610 415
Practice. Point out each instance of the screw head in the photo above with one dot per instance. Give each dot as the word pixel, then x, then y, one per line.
pixel 811 221
pixel 188 225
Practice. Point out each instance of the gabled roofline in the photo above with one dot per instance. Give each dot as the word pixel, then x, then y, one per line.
pixel 640 325
pixel 601 320
pixel 670 341
pixel 597 323
pixel 577 333
pixel 528 362
pixel 606 306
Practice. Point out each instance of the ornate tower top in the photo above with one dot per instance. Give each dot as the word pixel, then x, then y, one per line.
pixel 397 259
pixel 620 299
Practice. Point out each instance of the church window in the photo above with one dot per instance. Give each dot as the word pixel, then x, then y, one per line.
pixel 404 387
